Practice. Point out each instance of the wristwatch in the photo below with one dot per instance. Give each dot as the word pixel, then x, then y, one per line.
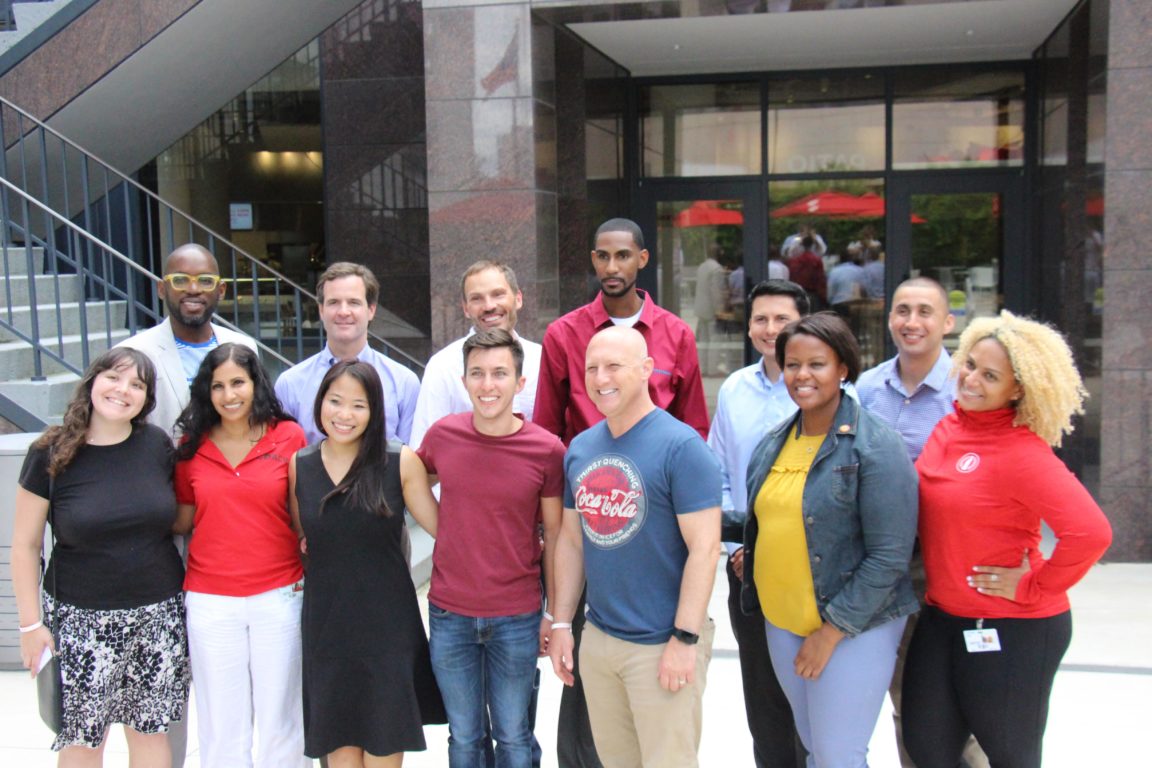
pixel 684 636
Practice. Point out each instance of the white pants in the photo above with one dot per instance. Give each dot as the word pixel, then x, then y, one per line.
pixel 245 654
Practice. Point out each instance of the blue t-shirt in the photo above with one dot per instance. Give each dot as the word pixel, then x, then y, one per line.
pixel 628 491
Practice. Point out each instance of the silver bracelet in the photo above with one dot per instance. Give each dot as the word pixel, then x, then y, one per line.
pixel 31 627
pixel 562 625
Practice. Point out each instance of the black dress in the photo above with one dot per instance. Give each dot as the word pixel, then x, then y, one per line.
pixel 368 678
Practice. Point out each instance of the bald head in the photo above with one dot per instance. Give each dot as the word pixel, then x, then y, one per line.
pixel 627 341
pixel 616 372
pixel 190 305
pixel 191 254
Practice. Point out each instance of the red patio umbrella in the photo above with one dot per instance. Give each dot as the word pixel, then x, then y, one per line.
pixel 837 205
pixel 707 213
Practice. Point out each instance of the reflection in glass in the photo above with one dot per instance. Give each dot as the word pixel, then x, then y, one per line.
pixel 710 129
pixel 701 275
pixel 831 123
pixel 959 244
pixel 942 119
pixel 839 221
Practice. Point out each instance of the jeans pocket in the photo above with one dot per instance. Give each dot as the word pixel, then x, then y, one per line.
pixel 436 612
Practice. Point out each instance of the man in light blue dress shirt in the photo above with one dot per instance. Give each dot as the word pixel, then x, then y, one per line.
pixel 913 390
pixel 752 401
pixel 347 294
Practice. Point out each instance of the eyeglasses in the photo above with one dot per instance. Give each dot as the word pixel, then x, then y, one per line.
pixel 182 282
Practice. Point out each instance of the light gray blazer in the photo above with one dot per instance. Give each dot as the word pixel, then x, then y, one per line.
pixel 172 393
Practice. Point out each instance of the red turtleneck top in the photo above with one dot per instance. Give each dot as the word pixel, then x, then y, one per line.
pixel 985 485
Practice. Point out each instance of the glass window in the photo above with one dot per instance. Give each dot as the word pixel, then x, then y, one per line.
pixel 842 222
pixel 943 119
pixel 817 125
pixel 710 129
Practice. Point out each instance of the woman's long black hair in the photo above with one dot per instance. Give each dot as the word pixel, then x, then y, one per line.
pixel 364 482
pixel 200 416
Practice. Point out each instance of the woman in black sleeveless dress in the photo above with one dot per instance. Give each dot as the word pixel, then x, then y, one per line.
pixel 368 682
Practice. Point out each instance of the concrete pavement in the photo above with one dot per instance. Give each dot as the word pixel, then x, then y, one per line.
pixel 1101 704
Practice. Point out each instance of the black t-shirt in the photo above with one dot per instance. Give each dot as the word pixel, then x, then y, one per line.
pixel 112 514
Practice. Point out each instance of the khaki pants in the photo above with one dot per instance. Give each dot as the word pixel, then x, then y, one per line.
pixel 634 721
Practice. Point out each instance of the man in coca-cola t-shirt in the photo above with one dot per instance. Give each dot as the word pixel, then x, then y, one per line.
pixel 642 523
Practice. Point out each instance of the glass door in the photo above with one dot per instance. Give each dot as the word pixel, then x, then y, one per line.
pixel 706 247
pixel 966 232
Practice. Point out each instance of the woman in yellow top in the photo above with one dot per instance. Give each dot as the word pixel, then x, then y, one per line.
pixel 827 548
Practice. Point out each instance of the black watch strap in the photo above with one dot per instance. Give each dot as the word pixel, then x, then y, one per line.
pixel 684 636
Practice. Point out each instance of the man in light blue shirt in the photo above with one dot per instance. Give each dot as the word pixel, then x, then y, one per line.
pixel 347 294
pixel 913 390
pixel 752 401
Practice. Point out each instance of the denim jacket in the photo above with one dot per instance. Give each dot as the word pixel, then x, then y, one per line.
pixel 859 505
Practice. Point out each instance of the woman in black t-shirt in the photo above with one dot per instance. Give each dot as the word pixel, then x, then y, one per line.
pixel 113 587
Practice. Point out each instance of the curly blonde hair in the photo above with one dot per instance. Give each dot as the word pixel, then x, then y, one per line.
pixel 1043 366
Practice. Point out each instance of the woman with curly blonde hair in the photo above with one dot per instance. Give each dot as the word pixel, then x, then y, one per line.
pixel 997 620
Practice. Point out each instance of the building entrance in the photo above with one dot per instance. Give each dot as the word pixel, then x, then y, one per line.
pixel 965 231
pixel 706 242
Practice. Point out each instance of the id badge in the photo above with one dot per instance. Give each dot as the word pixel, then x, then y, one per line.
pixel 981 640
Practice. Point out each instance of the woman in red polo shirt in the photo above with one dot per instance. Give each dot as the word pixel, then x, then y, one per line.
pixel 997 621
pixel 244 583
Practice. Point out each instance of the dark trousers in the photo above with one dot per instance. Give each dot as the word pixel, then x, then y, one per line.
pixel 1000 697
pixel 775 743
pixel 574 745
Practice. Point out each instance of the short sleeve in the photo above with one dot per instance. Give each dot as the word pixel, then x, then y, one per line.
pixel 183 482
pixel 696 479
pixel 554 471
pixel 34 473
pixel 427 449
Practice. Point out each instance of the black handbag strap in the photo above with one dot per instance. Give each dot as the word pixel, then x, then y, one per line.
pixel 52 531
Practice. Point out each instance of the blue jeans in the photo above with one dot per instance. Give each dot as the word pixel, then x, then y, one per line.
pixel 485 664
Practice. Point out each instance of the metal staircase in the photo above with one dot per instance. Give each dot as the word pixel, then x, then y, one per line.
pixel 82 245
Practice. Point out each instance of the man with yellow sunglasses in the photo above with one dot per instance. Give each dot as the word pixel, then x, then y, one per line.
pixel 190 289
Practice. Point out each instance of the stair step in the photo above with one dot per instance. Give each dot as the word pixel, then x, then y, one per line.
pixel 15 260
pixel 16 357
pixel 47 399
pixel 46 290
pixel 98 319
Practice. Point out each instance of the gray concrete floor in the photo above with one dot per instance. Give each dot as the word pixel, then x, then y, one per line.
pixel 1101 705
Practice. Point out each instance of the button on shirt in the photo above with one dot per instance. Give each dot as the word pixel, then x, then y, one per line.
pixel 297 388
pixel 442 392
pixel 913 415
pixel 747 407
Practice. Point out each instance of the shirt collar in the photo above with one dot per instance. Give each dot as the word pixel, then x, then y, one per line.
pixel 937 378
pixel 362 355
pixel 601 318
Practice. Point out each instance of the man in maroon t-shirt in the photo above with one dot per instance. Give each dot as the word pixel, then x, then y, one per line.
pixel 564 408
pixel 501 478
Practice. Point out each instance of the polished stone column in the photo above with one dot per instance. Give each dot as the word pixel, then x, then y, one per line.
pixel 491 118
pixel 1126 458
pixel 375 170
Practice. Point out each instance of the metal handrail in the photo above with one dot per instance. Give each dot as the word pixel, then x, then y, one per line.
pixel 121 212
pixel 95 282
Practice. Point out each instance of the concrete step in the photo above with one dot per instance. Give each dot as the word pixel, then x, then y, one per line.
pixel 14 259
pixel 98 319
pixel 47 399
pixel 16 357
pixel 46 289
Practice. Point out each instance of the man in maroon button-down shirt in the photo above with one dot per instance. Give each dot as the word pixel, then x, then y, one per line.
pixel 564 408
pixel 562 405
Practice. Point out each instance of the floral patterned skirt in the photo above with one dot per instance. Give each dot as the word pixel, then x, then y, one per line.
pixel 125 666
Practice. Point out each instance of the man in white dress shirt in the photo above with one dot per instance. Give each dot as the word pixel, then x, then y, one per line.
pixel 490 298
